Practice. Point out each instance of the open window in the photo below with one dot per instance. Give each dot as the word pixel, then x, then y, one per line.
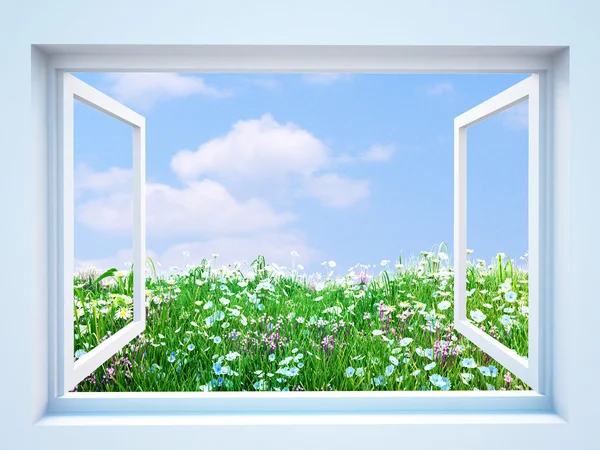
pixel 72 371
pixel 527 90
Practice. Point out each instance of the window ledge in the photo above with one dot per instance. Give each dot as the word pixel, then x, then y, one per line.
pixel 103 419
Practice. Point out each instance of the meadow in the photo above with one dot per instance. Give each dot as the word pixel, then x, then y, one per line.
pixel 262 327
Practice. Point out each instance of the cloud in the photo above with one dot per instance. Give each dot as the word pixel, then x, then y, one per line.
pixel 266 83
pixel 439 88
pixel 282 157
pixel 200 208
pixel 516 117
pixel 275 247
pixel 335 190
pixel 378 153
pixel 114 179
pixel 256 148
pixel 326 79
pixel 143 90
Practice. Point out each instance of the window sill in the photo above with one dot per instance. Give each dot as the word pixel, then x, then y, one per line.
pixel 103 419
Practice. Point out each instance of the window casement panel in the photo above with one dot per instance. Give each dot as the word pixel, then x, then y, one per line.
pixel 527 90
pixel 71 372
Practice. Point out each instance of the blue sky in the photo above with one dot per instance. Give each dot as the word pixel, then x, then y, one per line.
pixel 350 168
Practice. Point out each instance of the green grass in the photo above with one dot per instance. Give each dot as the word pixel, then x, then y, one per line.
pixel 270 328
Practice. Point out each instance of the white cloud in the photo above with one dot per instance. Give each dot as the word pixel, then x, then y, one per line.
pixel 439 88
pixel 516 117
pixel 143 90
pixel 266 83
pixel 202 207
pixel 283 157
pixel 117 260
pixel 326 79
pixel 275 247
pixel 336 191
pixel 378 153
pixel 254 149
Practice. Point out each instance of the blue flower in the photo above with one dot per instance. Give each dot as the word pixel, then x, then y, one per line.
pixel 429 366
pixel 442 306
pixel 293 371
pixel 191 347
pixel 217 340
pixel 217 368
pixel 79 353
pixel 389 369
pixel 429 353
pixel 485 371
pixel 272 357
pixel 360 372
pixel 350 371
pixel 493 371
pixel 171 357
pixel 510 296
pixel 406 341
pixel 439 381
pixel 477 316
pixel 394 360
pixel 468 363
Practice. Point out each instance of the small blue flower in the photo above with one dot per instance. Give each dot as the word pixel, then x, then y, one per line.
pixel 510 296
pixel 272 357
pixel 394 360
pixel 79 353
pixel 444 305
pixel 478 316
pixel 439 381
pixel 350 371
pixel 300 365
pixel 468 363
pixel 429 366
pixel 217 339
pixel 406 341
pixel 191 347
pixel 171 357
pixel 429 353
pixel 293 371
pixel 360 372
pixel 493 371
pixel 217 368
pixel 485 371
pixel 389 369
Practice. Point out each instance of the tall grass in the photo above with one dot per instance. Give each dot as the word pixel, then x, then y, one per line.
pixel 266 327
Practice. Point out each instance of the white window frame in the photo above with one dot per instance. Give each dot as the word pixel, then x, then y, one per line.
pixel 527 90
pixel 72 89
pixel 532 406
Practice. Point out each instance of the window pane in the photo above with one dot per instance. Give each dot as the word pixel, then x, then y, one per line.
pixel 497 226
pixel 103 227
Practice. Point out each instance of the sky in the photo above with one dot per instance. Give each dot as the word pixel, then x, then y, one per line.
pixel 336 167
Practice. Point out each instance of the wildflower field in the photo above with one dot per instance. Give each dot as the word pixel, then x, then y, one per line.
pixel 262 327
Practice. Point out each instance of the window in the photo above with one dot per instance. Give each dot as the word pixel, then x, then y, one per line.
pixel 527 401
pixel 526 90
pixel 73 372
pixel 412 361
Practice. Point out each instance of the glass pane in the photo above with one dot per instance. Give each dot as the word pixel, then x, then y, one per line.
pixel 497 227
pixel 103 282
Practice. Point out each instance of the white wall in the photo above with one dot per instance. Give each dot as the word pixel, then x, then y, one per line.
pixel 457 22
